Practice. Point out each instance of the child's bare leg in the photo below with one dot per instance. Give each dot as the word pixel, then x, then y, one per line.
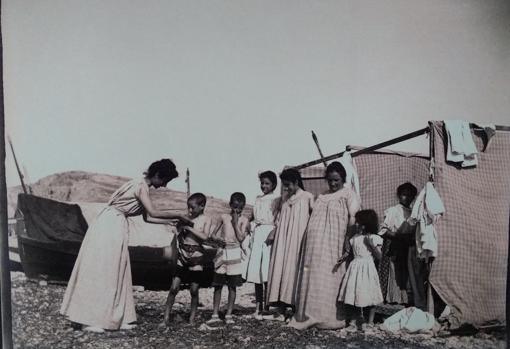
pixel 371 315
pixel 282 308
pixel 216 300
pixel 266 304
pixel 259 297
pixel 231 299
pixel 174 289
pixel 193 290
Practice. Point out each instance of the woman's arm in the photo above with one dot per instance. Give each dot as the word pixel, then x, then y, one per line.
pixel 353 206
pixel 153 212
pixel 150 219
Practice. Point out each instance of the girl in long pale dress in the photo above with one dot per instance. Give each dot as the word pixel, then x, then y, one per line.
pixel 286 243
pixel 264 212
pixel 99 293
pixel 360 286
pixel 318 284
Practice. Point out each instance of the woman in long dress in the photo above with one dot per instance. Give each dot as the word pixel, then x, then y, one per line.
pixel 318 285
pixel 99 293
pixel 286 243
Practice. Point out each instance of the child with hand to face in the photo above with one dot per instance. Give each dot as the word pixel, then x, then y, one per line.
pixel 228 264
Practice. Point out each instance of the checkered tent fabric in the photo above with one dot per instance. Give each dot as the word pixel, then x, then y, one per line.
pixel 380 173
pixel 470 271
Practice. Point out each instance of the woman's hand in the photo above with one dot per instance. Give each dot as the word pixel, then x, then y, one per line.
pixel 186 221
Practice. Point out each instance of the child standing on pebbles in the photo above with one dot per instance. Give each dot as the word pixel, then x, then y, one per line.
pixel 286 243
pixel 264 212
pixel 360 289
pixel 229 266
pixel 190 249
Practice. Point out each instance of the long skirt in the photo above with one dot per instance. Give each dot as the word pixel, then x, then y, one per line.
pixel 99 292
pixel 258 262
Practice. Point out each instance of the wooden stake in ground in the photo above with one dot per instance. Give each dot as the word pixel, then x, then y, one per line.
pixel 5 274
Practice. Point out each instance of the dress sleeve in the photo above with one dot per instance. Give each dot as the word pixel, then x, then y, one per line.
pixel 376 239
pixel 353 204
pixel 141 187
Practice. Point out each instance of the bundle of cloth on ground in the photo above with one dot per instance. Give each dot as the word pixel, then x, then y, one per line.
pixel 411 320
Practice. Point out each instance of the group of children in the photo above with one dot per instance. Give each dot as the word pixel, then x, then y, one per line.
pixel 240 250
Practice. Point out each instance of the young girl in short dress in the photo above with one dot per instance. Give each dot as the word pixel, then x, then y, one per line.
pixel 360 286
pixel 262 224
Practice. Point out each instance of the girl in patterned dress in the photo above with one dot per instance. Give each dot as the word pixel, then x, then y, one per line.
pixel 317 285
pixel 360 286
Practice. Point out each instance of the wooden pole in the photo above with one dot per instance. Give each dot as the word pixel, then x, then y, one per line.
pixel 365 150
pixel 25 176
pixel 188 189
pixel 5 273
pixel 314 136
pixel 20 174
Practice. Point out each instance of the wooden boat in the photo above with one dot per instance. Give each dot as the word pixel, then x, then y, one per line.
pixel 49 237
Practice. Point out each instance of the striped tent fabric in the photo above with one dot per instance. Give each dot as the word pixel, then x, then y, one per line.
pixel 470 271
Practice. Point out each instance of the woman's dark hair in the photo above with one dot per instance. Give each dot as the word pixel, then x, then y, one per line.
pixel 337 167
pixel 407 188
pixel 165 168
pixel 271 176
pixel 369 220
pixel 293 176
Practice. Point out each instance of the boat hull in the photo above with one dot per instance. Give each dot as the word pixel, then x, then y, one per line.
pixel 54 261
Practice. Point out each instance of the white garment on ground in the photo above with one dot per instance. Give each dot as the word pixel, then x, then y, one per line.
pixel 461 147
pixel 411 320
pixel 351 178
pixel 426 210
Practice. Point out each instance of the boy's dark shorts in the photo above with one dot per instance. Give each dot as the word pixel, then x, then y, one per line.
pixel 228 280
pixel 187 276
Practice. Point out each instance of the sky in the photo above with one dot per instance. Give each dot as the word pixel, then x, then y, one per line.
pixel 231 88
